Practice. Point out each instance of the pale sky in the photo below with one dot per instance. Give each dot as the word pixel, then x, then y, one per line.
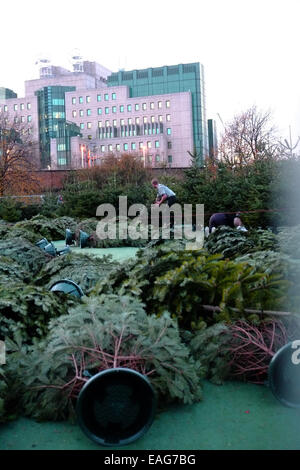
pixel 249 48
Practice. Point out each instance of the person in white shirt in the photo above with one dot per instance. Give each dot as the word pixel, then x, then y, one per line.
pixel 164 194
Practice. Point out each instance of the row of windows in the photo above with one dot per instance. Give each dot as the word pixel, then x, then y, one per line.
pixel 22 106
pixel 88 98
pixel 89 125
pixel 122 123
pixel 130 120
pixel 133 146
pixel 22 119
pixel 58 115
pixel 109 148
pixel 58 101
pixel 109 132
pixel 137 106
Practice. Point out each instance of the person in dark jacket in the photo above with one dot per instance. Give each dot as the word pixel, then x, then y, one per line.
pixel 230 220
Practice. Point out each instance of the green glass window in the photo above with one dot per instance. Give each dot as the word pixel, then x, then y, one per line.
pixel 157 144
pixel 137 107
pixel 28 118
pixel 129 107
pixel 80 99
pixel 99 110
pixel 125 146
pixel 58 101
pixel 169 131
pixel 88 112
pixel 98 97
pixel 121 108
pixel 133 146
pixel 106 110
pixel 170 158
pixel 73 100
pixel 114 109
pixel 113 96
pixel 81 125
pixel 106 98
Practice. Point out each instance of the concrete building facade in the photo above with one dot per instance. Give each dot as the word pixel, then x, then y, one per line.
pixel 82 116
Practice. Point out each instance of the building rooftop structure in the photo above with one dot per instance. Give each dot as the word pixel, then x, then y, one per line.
pixel 83 115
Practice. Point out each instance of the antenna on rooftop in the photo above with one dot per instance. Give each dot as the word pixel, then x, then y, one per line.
pixel 44 66
pixel 77 61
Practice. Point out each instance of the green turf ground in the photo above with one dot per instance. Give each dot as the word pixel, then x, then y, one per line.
pixel 118 254
pixel 234 416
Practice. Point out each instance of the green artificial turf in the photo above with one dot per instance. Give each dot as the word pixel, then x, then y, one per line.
pixel 234 416
pixel 118 254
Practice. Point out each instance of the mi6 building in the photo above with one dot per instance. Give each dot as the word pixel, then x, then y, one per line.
pixel 79 117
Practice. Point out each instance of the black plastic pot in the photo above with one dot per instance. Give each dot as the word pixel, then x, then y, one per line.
pixel 284 374
pixel 116 407
pixel 42 243
pixel 50 249
pixel 68 287
pixel 83 239
pixel 64 251
pixel 70 237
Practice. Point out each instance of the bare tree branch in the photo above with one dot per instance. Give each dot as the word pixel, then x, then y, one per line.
pixel 249 137
pixel 17 157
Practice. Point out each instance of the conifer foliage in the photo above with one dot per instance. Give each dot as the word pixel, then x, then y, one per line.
pixel 101 333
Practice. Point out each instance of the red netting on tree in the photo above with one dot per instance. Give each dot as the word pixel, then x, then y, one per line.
pixel 252 347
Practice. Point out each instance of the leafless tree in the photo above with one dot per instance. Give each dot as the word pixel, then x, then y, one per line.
pixel 249 137
pixel 17 157
pixel 290 150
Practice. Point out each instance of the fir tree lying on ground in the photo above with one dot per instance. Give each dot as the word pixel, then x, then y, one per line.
pixel 104 332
